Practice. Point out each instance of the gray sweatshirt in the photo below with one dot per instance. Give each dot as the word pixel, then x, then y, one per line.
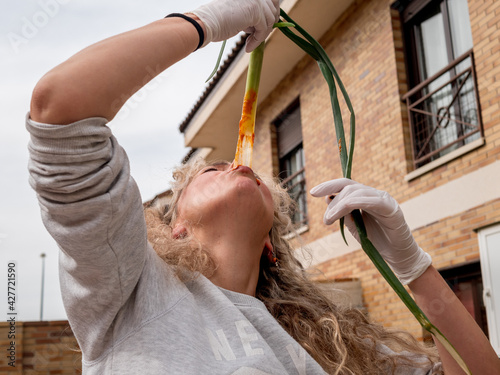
pixel 127 309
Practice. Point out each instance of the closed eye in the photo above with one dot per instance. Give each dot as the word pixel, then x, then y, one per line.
pixel 209 170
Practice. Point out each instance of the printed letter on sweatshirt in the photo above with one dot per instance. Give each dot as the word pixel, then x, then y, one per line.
pixel 298 360
pixel 246 338
pixel 220 346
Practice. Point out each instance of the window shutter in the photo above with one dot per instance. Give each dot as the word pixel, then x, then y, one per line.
pixel 413 8
pixel 289 131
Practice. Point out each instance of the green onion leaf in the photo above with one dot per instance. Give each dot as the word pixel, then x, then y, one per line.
pixel 217 64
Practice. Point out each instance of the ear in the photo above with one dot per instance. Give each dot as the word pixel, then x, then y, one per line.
pixel 268 246
pixel 268 251
pixel 179 231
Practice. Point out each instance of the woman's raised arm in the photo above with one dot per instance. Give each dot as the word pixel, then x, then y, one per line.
pixel 448 314
pixel 98 80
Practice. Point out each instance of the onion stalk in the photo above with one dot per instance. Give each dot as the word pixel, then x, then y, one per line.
pixel 307 43
pixel 244 148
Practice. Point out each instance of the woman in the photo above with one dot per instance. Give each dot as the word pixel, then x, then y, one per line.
pixel 226 295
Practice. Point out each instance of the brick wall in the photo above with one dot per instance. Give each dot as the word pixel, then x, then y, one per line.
pixel 41 348
pixel 366 48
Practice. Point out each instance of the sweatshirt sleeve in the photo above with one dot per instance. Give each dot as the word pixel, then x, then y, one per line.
pixel 92 208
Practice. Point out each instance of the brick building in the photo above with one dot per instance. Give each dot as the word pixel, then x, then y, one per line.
pixel 41 348
pixel 422 77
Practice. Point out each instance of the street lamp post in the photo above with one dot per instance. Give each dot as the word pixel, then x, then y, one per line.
pixel 43 280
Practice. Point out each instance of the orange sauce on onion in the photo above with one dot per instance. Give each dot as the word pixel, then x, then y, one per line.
pixel 246 136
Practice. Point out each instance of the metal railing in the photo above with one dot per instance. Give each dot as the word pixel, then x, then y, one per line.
pixel 296 187
pixel 444 112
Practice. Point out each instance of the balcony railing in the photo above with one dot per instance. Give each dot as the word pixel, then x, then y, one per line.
pixel 296 187
pixel 444 112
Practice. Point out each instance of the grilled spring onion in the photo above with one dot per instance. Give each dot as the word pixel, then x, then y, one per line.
pixel 244 148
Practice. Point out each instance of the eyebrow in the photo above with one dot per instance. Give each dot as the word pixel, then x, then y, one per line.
pixel 225 164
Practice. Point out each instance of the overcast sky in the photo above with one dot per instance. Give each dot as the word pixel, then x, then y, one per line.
pixel 35 36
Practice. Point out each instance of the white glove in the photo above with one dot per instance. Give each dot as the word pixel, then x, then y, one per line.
pixel 226 18
pixel 384 221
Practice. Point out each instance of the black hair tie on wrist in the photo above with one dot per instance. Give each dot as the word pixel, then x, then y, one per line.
pixel 194 23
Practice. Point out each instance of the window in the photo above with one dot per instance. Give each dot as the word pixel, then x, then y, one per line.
pixel 291 159
pixel 442 101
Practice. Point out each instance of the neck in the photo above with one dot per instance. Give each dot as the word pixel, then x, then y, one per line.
pixel 237 256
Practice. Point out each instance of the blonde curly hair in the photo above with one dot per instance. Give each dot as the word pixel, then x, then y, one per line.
pixel 339 338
